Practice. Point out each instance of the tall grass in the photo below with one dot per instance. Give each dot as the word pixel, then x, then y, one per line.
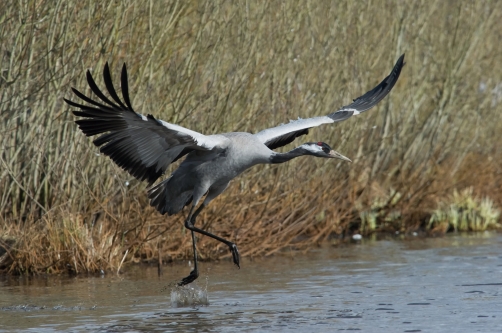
pixel 217 66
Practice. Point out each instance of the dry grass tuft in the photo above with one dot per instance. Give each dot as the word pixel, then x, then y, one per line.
pixel 216 66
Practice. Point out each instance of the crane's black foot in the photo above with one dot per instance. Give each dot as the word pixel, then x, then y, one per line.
pixel 189 279
pixel 235 254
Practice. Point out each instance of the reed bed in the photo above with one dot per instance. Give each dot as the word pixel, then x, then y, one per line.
pixel 218 66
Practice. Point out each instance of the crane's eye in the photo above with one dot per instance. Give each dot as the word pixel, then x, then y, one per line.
pixel 326 150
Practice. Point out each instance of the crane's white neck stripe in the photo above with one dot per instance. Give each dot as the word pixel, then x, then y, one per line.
pixel 312 148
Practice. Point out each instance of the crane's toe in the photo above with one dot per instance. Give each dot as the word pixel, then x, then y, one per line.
pixel 190 278
pixel 235 254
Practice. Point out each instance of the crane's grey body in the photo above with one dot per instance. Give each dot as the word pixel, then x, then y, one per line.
pixel 209 171
pixel 145 146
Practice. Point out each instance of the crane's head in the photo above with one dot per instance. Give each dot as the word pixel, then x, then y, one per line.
pixel 322 149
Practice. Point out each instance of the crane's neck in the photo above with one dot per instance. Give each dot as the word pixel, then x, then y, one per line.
pixel 284 157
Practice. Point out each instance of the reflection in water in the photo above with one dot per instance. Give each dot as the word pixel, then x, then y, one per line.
pixel 451 284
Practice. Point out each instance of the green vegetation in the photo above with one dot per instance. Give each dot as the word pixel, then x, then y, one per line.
pixel 464 212
pixel 216 66
pixel 381 213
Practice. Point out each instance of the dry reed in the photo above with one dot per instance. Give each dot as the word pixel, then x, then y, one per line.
pixel 215 66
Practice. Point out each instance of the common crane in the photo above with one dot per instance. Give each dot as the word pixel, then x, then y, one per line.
pixel 145 146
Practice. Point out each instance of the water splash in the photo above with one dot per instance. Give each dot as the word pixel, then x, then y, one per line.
pixel 189 296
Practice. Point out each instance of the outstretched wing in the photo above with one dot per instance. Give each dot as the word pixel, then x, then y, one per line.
pixel 282 135
pixel 143 146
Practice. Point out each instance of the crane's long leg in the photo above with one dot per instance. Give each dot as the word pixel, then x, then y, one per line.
pixel 190 225
pixel 194 274
pixel 233 248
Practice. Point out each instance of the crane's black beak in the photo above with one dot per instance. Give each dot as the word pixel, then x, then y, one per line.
pixel 335 154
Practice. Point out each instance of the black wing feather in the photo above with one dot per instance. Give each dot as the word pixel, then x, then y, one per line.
pixel 283 140
pixel 109 86
pixel 372 97
pixel 143 146
pixel 88 100
pixel 125 86
pixel 95 89
pixel 281 135
pixel 184 152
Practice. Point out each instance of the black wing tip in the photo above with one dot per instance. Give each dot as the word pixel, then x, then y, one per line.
pixel 88 75
pixel 123 73
pixel 374 96
pixel 384 87
pixel 396 71
pixel 389 82
pixel 109 87
pixel 125 87
pixel 107 75
pixel 106 72
pixel 399 63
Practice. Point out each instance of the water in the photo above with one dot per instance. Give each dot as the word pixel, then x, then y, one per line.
pixel 451 284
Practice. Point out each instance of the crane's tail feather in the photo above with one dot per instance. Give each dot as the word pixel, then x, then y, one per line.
pixel 168 199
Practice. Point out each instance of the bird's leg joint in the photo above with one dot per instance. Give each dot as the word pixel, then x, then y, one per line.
pixel 233 248
pixel 189 223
